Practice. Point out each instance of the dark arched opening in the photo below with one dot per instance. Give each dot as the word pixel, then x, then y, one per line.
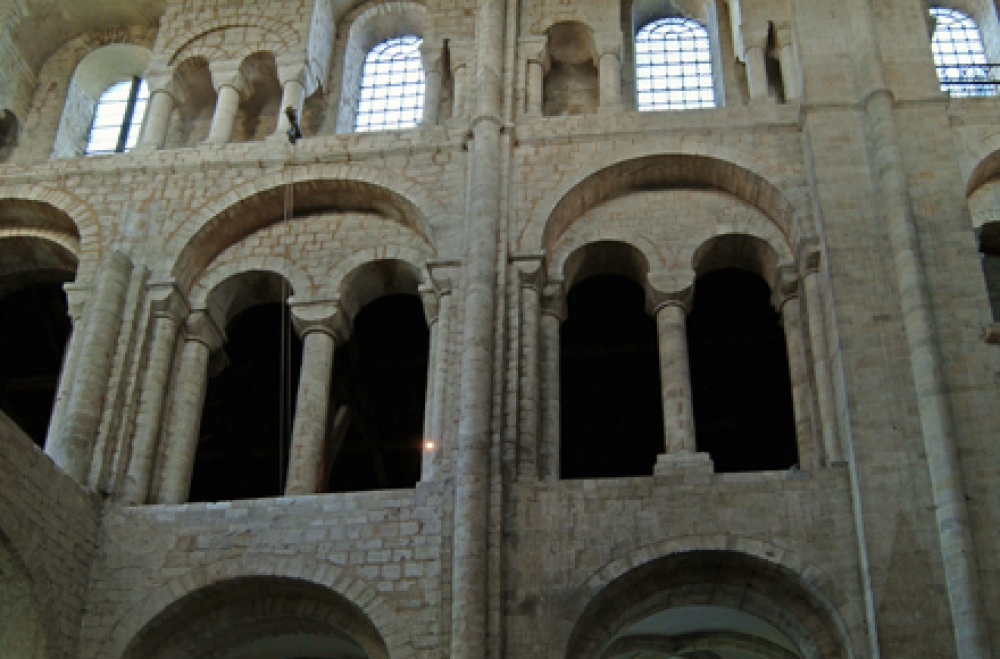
pixel 34 329
pixel 612 418
pixel 739 375
pixel 379 385
pixel 249 407
pixel 989 250
pixel 9 132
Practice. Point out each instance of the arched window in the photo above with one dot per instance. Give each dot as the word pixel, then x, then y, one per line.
pixel 673 66
pixel 118 117
pixel 392 86
pixel 959 55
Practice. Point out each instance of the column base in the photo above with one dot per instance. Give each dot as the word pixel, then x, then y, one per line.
pixel 672 464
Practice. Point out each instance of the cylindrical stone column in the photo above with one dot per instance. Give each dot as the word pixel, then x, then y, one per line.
pixel 821 364
pixel 754 44
pixel 460 84
pixel 675 378
pixel 809 451
pixel 73 446
pixel 169 309
pixel 430 55
pixel 610 81
pixel 154 130
pixel 181 440
pixel 527 434
pixel 293 95
pixel 437 308
pixel 790 74
pixel 305 459
pixel 553 314
pixel 226 106
pixel 75 297
pixel 536 88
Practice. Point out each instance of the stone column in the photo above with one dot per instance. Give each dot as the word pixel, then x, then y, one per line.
pixel 292 78
pixel 430 55
pixel 163 97
pixel 825 401
pixel 786 300
pixel 437 300
pixel 202 338
pixel 754 46
pixel 530 270
pixel 553 315
pixel 229 86
pixel 609 47
pixel 790 74
pixel 675 376
pixel 534 49
pixel 321 326
pixel 168 308
pixel 462 55
pixel 73 447
pixel 76 297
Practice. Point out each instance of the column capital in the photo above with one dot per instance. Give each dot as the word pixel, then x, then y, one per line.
pixel 462 53
pixel 608 42
pixel 227 73
pixel 76 300
pixel 201 328
pixel 669 289
pixel 755 34
pixel 162 81
pixel 431 54
pixel 167 300
pixel 326 316
pixel 530 269
pixel 554 300
pixel 783 34
pixel 441 273
pixel 809 255
pixel 534 48
pixel 786 286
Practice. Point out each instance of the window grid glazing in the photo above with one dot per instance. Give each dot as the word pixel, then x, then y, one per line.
pixel 959 55
pixel 392 86
pixel 673 66
pixel 117 122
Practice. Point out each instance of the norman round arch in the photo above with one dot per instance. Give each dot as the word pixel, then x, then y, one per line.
pixel 771 583
pixel 236 214
pixel 298 279
pixel 693 166
pixel 185 44
pixel 311 572
pixel 57 216
pixel 986 159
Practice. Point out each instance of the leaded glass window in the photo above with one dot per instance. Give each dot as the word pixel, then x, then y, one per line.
pixel 392 86
pixel 673 66
pixel 118 117
pixel 959 55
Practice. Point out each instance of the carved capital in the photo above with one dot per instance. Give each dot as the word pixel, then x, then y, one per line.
pixel 227 73
pixel 554 300
pixel 202 328
pixel 462 54
pixel 430 56
pixel 608 43
pixel 76 300
pixel 530 269
pixel 786 286
pixel 167 301
pixel 669 289
pixel 783 34
pixel 292 70
pixel 162 81
pixel 534 49
pixel 755 34
pixel 327 317
pixel 809 255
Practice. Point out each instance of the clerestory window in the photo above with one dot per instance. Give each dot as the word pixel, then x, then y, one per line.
pixel 118 117
pixel 392 86
pixel 959 55
pixel 673 66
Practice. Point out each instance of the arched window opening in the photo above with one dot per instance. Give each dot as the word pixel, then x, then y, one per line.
pixel 392 86
pixel 673 66
pixel 191 121
pixel 739 375
pixel 257 115
pixel 989 249
pixel 10 130
pixel 34 329
pixel 959 55
pixel 246 423
pixel 379 385
pixel 571 85
pixel 611 412
pixel 118 117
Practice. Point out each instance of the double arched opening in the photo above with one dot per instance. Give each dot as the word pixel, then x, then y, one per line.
pixel 709 604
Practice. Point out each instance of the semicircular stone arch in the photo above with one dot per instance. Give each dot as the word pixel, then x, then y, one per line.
pixel 695 166
pixel 184 46
pixel 339 278
pixel 229 218
pixel 817 613
pixel 983 158
pixel 62 217
pixel 309 570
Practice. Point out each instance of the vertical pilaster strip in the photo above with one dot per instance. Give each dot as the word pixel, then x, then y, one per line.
pixel 823 378
pixel 73 446
pixel 553 314
pixel 430 55
pixel 472 466
pixel 529 275
pixel 786 296
pixel 790 75
pixel 437 309
pixel 609 48
pixel 754 43
pixel 201 339
pixel 169 308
